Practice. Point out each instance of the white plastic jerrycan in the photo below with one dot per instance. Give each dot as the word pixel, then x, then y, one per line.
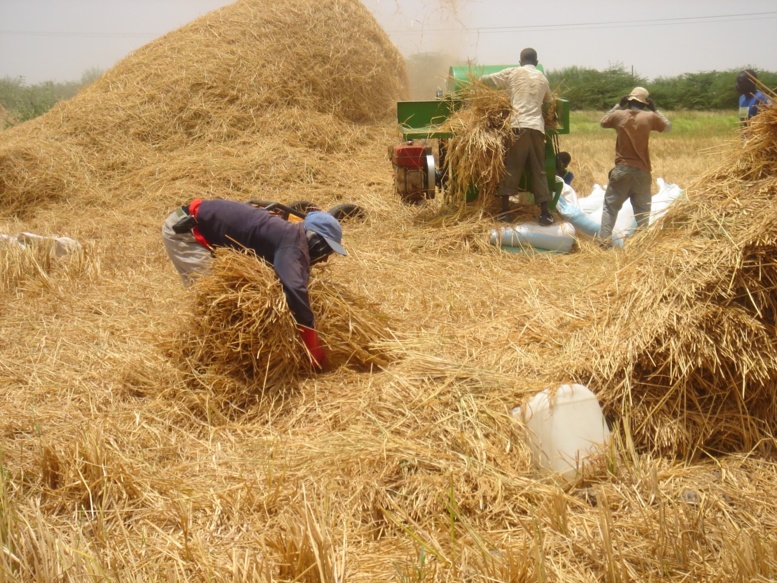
pixel 565 430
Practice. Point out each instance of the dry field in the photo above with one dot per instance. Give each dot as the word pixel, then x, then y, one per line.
pixel 127 456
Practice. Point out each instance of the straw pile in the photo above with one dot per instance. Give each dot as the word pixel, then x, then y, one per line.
pixel 683 342
pixel 475 155
pixel 353 330
pixel 195 107
pixel 37 266
pixel 241 329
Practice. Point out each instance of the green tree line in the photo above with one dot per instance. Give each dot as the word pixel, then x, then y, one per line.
pixel 708 90
pixel 585 89
pixel 22 101
pixel 591 89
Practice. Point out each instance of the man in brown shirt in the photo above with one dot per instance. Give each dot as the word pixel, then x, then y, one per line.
pixel 632 118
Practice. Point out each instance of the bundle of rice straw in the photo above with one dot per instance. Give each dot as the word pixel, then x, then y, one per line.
pixel 684 343
pixel 241 329
pixel 240 325
pixel 475 153
pixel 354 331
pixel 38 263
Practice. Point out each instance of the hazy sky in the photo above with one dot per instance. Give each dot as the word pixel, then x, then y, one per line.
pixel 58 40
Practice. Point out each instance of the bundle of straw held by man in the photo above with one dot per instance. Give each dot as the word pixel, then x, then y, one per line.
pixel 241 327
pixel 475 154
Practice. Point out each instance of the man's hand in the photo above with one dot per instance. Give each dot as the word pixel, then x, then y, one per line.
pixel 650 105
pixel 624 101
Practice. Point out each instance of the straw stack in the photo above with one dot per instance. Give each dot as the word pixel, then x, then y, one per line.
pixel 475 154
pixel 683 343
pixel 240 325
pixel 36 265
pixel 229 80
pixel 354 331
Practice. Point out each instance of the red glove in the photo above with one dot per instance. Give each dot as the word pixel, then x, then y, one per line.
pixel 315 350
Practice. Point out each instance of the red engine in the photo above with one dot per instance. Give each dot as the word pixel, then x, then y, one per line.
pixel 414 171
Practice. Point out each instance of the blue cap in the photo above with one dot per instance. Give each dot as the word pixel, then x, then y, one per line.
pixel 327 226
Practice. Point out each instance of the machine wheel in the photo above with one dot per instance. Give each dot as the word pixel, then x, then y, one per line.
pixel 347 210
pixel 304 206
pixel 431 177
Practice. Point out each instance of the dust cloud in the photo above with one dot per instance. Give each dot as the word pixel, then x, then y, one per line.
pixel 441 34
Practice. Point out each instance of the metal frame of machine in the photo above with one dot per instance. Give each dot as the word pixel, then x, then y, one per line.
pixel 417 173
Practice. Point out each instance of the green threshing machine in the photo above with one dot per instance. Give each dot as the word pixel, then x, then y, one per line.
pixel 418 173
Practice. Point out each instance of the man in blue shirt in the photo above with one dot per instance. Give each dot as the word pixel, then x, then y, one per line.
pixel 750 99
pixel 191 232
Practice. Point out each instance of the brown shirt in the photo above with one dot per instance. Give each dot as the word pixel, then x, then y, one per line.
pixel 633 127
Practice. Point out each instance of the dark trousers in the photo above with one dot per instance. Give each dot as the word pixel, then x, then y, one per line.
pixel 526 152
pixel 626 183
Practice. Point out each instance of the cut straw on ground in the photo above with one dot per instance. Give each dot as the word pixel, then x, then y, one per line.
pixel 154 433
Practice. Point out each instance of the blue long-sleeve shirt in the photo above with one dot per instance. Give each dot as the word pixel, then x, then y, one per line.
pixel 749 104
pixel 226 223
